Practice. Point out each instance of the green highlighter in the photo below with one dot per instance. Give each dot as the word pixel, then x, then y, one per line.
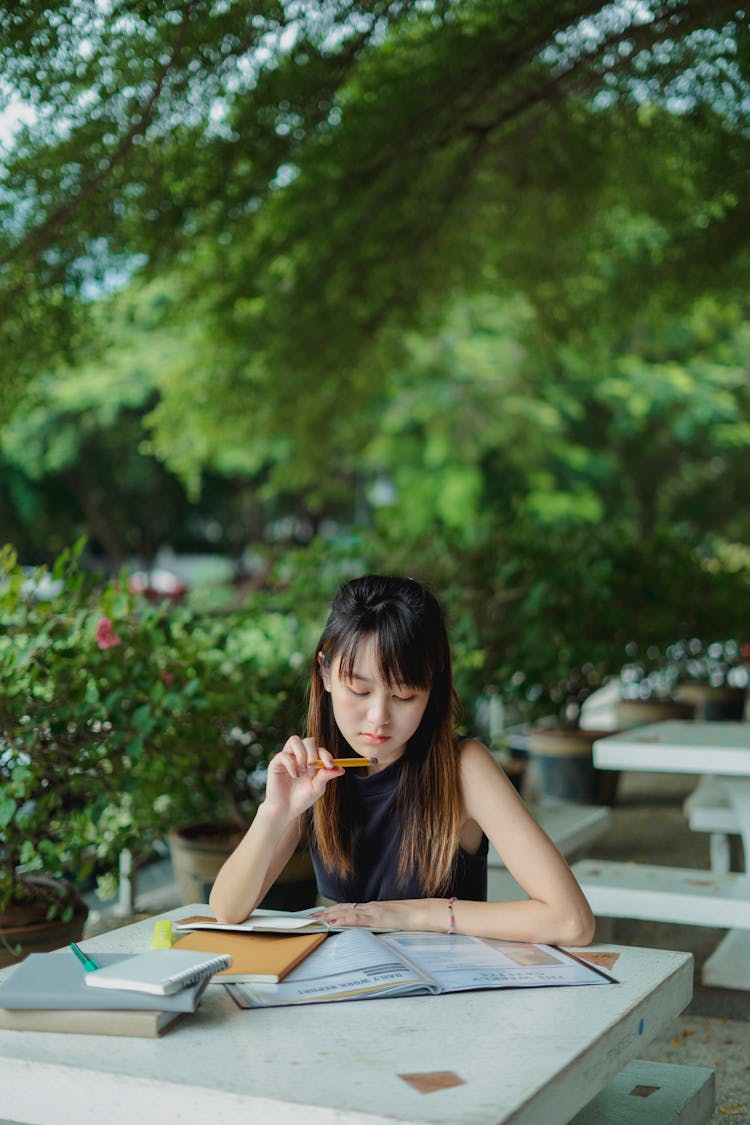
pixel 87 962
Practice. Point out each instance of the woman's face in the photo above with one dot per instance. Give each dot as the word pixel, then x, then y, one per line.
pixel 376 719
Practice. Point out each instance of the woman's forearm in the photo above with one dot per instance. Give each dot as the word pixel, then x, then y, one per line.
pixel 569 923
pixel 253 866
pixel 524 920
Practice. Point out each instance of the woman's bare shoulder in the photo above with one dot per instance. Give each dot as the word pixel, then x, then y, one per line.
pixel 483 780
pixel 474 754
pixel 478 767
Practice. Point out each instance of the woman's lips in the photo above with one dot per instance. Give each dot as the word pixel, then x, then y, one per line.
pixel 375 739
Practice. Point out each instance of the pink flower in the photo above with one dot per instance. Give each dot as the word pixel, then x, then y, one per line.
pixel 106 637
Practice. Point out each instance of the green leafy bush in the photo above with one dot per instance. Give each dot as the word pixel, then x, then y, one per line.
pixel 120 719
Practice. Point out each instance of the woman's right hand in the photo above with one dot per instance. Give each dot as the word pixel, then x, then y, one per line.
pixel 293 784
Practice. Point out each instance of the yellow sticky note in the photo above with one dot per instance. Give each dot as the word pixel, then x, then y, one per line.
pixel 162 936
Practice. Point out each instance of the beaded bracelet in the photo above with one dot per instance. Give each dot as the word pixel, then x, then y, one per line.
pixel 452 927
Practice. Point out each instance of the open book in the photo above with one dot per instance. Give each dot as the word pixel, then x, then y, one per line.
pixel 265 922
pixel 357 964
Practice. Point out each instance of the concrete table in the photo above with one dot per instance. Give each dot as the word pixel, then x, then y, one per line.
pixel 717 749
pixel 530 1056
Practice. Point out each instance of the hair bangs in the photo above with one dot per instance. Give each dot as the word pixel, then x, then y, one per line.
pixel 401 662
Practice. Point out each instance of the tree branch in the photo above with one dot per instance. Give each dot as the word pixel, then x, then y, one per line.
pixel 39 237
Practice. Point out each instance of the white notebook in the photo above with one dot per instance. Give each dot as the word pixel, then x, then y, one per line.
pixel 159 971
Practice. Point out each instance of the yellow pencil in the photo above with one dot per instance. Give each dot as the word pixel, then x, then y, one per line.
pixel 345 763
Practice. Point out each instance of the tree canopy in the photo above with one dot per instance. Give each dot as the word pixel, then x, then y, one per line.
pixel 319 178
pixel 492 256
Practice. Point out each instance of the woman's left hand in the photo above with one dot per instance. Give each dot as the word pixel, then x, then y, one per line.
pixel 399 914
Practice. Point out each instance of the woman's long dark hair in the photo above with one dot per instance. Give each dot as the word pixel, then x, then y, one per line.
pixel 412 648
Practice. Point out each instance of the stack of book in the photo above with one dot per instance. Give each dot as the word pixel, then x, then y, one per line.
pixel 118 994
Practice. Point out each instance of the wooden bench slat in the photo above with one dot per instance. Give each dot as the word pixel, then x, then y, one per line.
pixel 665 894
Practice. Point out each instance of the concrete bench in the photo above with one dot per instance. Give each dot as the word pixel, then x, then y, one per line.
pixel 570 826
pixel 665 894
pixel 708 810
pixel 653 1093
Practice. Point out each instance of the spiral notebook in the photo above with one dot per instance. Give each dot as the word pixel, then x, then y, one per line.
pixel 159 971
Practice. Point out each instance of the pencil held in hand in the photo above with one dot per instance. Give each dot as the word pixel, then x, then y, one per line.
pixel 345 763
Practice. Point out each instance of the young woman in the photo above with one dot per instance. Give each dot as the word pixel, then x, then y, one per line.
pixel 401 843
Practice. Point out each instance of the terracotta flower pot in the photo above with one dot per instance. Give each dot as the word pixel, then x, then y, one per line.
pixel 25 928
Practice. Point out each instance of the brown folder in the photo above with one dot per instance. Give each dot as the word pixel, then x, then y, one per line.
pixel 255 957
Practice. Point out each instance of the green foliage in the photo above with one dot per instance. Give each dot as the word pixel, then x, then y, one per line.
pixel 77 457
pixel 649 436
pixel 476 423
pixel 507 453
pixel 494 255
pixel 544 614
pixel 324 177
pixel 120 719
pixel 564 609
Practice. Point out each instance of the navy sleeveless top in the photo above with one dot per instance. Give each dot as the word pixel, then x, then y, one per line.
pixel 371 805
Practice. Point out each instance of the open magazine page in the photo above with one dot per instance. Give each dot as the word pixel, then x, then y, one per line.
pixel 458 962
pixel 357 964
pixel 350 965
